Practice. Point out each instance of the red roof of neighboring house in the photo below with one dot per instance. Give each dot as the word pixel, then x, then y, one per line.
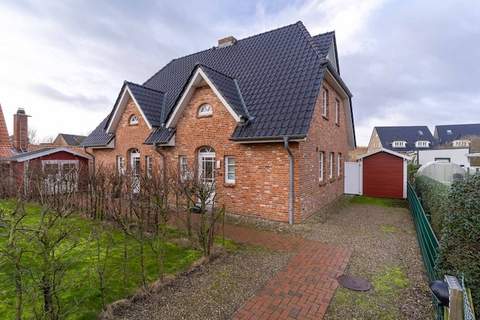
pixel 6 149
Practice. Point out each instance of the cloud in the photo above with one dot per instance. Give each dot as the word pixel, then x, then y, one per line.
pixel 406 62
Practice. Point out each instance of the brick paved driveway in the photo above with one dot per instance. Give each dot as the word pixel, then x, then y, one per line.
pixel 304 288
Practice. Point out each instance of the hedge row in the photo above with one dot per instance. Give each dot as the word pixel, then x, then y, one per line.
pixel 455 216
pixel 433 195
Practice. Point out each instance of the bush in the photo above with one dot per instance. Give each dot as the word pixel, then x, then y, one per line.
pixel 411 171
pixel 433 195
pixel 460 241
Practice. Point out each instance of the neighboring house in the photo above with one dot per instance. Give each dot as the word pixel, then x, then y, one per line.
pixel 70 140
pixel 17 155
pixel 268 118
pixel 404 139
pixel 456 135
pixel 474 155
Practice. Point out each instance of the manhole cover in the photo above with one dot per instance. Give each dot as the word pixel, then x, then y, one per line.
pixel 354 283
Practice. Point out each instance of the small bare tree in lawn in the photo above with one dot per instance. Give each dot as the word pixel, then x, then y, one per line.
pixel 200 192
pixel 11 253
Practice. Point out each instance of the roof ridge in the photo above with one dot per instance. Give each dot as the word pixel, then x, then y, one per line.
pixel 324 33
pixel 457 124
pixel 140 85
pixel 215 48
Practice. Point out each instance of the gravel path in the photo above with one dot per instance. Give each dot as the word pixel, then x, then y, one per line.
pixel 215 291
pixel 385 251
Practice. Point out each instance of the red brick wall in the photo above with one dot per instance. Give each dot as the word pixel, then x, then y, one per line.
pixel 262 176
pixel 323 135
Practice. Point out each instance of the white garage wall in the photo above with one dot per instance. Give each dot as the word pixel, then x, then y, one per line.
pixel 458 156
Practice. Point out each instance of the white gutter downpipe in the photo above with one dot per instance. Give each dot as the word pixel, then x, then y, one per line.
pixel 290 182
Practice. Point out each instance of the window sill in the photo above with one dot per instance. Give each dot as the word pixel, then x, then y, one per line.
pixel 337 124
pixel 205 116
pixel 229 184
pixel 322 183
pixel 325 117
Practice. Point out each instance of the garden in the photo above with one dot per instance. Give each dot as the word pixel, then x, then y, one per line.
pixel 69 251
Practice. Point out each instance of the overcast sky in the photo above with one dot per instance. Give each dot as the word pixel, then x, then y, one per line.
pixel 407 62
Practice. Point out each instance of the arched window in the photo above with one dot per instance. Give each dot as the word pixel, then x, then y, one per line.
pixel 205 110
pixel 133 121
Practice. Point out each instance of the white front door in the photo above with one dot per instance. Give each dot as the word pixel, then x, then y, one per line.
pixel 135 165
pixel 353 177
pixel 206 170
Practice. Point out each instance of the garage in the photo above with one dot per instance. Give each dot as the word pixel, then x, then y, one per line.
pixel 382 173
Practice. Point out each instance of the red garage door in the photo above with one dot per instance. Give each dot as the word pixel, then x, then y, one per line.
pixel 383 176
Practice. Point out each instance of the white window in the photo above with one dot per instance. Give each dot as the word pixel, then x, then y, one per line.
pixel 205 110
pixel 183 167
pixel 339 164
pixel 325 103
pixel 422 144
pixel 148 166
pixel 461 143
pixel 330 165
pixel 229 170
pixel 449 132
pixel 399 144
pixel 120 165
pixel 321 155
pixel 337 111
pixel 133 120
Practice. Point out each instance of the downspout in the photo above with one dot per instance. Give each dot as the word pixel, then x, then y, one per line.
pixel 291 186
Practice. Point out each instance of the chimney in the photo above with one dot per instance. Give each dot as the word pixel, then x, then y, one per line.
pixel 227 41
pixel 20 130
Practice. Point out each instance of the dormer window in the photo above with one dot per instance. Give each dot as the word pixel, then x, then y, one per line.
pixel 420 132
pixel 449 132
pixel 399 144
pixel 205 110
pixel 461 143
pixel 133 121
pixel 422 144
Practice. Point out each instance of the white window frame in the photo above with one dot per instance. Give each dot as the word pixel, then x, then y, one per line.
pixel 339 164
pixel 230 164
pixel 399 144
pixel 149 166
pixel 205 113
pixel 183 167
pixel 337 111
pixel 325 102
pixel 121 169
pixel 133 120
pixel 422 144
pixel 321 160
pixel 461 143
pixel 331 158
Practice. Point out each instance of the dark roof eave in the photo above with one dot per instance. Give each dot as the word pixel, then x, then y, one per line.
pixel 337 77
pixel 267 138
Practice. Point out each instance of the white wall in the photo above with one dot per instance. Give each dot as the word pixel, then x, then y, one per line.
pixel 458 156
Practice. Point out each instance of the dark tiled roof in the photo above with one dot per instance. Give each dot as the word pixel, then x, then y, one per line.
pixel 278 72
pixel 229 89
pixel 323 42
pixel 457 131
pixel 149 100
pixel 160 135
pixel 410 134
pixel 99 136
pixel 72 139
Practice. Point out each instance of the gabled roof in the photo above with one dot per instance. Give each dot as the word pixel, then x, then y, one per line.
pixel 273 77
pixel 397 154
pixel 99 136
pixel 24 156
pixel 72 139
pixel 448 133
pixel 6 149
pixel 410 134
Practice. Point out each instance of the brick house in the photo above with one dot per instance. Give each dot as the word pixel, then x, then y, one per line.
pixel 268 117
pixel 18 156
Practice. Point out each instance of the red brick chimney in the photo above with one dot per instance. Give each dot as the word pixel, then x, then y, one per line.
pixel 20 130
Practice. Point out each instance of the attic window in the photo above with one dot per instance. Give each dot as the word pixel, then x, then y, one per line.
pixel 449 131
pixel 422 144
pixel 399 144
pixel 420 132
pixel 461 143
pixel 133 121
pixel 205 110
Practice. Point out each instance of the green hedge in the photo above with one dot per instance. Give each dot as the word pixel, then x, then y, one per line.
pixel 460 237
pixel 433 195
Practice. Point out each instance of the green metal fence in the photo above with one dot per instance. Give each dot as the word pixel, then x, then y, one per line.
pixel 427 240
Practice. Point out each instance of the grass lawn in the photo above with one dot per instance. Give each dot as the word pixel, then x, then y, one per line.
pixel 80 293
pixel 382 202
